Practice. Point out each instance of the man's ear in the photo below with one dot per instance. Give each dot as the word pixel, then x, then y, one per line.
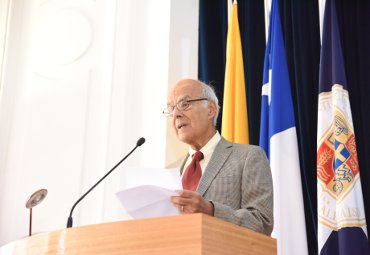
pixel 212 109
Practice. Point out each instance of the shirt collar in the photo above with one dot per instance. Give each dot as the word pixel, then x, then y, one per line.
pixel 210 146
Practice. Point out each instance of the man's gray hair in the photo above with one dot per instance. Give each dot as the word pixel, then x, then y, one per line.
pixel 210 94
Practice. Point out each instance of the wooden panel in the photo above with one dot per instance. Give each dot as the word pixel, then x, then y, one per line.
pixel 186 234
pixel 220 237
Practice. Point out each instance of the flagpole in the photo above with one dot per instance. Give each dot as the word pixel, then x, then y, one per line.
pixel 267 17
pixel 229 8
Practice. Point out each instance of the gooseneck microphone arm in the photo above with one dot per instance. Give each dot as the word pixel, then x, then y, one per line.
pixel 70 219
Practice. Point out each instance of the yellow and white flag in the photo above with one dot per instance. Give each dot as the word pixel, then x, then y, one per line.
pixel 234 114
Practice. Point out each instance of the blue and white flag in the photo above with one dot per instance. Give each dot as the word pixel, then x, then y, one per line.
pixel 341 217
pixel 278 138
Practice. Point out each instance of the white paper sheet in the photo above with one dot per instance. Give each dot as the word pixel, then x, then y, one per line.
pixel 149 191
pixel 148 201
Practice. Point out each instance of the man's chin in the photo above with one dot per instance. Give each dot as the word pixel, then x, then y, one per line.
pixel 183 138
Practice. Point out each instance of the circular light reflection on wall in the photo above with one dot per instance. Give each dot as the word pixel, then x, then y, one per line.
pixel 61 37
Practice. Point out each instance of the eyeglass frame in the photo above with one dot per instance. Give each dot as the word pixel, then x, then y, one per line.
pixel 169 113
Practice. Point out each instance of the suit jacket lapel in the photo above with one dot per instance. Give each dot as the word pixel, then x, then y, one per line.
pixel 183 164
pixel 219 156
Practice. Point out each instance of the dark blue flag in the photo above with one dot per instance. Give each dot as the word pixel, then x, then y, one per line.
pixel 341 217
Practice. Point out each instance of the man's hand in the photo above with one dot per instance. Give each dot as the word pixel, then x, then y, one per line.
pixel 191 202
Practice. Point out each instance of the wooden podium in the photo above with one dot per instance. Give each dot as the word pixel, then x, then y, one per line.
pixel 184 234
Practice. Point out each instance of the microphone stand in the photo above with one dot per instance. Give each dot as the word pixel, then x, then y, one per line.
pixel 70 219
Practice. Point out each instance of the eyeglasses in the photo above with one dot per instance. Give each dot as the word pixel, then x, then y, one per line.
pixel 182 106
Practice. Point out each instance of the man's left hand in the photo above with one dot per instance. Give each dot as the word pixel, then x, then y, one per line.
pixel 191 202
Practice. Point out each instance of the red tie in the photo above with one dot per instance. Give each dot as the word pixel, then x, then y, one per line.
pixel 193 172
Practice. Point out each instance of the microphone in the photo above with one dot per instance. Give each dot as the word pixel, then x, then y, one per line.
pixel 70 219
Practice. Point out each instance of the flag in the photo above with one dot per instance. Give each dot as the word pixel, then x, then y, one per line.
pixel 278 137
pixel 341 217
pixel 234 114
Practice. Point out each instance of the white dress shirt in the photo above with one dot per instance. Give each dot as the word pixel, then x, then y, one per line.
pixel 207 151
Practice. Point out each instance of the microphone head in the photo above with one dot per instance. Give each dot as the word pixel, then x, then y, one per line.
pixel 140 141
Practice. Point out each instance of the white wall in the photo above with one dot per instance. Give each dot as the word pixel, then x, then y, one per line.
pixel 83 81
pixel 4 10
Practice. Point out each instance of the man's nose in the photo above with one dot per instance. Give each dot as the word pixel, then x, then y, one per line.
pixel 176 113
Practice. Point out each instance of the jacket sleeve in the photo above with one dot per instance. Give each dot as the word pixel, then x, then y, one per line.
pixel 256 210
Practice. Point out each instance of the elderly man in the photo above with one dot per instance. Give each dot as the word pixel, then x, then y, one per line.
pixel 227 180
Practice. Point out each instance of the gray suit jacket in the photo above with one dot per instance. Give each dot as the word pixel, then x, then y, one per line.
pixel 238 182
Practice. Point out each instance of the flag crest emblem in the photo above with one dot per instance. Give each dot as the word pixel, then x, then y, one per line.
pixel 338 151
pixel 337 163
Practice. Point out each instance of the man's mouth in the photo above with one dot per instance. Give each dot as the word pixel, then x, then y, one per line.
pixel 179 126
